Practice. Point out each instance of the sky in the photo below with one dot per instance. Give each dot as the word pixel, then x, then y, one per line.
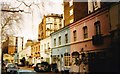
pixel 33 15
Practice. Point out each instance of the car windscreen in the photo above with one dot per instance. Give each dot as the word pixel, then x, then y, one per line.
pixel 12 66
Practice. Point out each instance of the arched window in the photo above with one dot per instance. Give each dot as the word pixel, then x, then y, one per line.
pixel 67 59
pixel 97 28
pixel 85 32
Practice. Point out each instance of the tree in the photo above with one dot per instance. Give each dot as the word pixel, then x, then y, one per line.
pixel 10 21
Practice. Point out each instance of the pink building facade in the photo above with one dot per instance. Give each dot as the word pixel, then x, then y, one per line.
pixel 92 35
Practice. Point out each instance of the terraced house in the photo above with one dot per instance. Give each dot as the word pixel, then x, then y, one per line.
pixel 86 42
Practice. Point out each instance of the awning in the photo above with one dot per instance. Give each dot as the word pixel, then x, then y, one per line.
pixel 75 54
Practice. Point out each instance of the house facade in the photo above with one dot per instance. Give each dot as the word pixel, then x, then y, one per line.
pixel 74 11
pixel 45 49
pixel 91 35
pixel 60 48
pixel 50 23
pixel 86 45
pixel 12 46
pixel 26 52
pixel 115 36
pixel 35 51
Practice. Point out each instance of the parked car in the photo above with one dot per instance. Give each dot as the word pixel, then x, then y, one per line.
pixel 21 71
pixel 54 67
pixel 11 68
pixel 42 67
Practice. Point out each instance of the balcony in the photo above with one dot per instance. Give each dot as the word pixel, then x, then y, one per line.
pixel 97 39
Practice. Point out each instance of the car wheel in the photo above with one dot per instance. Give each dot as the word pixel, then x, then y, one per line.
pixel 7 72
pixel 12 72
pixel 15 72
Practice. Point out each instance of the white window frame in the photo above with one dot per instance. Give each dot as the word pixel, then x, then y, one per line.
pixel 70 3
pixel 67 61
pixel 71 11
pixel 71 21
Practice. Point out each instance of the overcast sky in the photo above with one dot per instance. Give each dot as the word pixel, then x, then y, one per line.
pixel 32 19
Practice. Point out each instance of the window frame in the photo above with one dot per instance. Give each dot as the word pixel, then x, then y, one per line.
pixel 66 38
pixel 72 20
pixel 48 45
pixel 67 60
pixel 71 11
pixel 60 26
pixel 97 28
pixel 70 3
pixel 54 42
pixel 85 32
pixel 55 27
pixel 59 38
pixel 74 35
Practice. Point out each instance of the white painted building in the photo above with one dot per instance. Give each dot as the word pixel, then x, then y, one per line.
pixel 45 49
pixel 60 45
pixel 26 52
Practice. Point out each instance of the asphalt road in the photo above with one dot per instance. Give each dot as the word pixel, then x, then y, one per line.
pixel 27 68
pixel 37 73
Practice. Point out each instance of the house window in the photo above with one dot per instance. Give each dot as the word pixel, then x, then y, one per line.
pixel 60 20
pixel 55 27
pixel 48 45
pixel 59 40
pixel 97 28
pixel 48 18
pixel 35 49
pixel 71 21
pixel 71 3
pixel 44 46
pixel 95 4
pixel 71 12
pixel 74 35
pixel 85 32
pixel 55 19
pixel 67 59
pixel 55 42
pixel 60 26
pixel 66 38
pixel 39 48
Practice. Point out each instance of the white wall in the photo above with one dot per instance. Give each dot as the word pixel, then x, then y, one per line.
pixel 42 47
pixel 25 53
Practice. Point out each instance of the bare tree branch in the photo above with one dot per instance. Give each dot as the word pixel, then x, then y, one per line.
pixel 9 18
pixel 25 3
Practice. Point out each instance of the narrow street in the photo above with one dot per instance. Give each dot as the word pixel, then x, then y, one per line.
pixel 27 68
pixel 59 36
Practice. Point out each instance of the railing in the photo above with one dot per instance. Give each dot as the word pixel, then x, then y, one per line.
pixel 97 39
